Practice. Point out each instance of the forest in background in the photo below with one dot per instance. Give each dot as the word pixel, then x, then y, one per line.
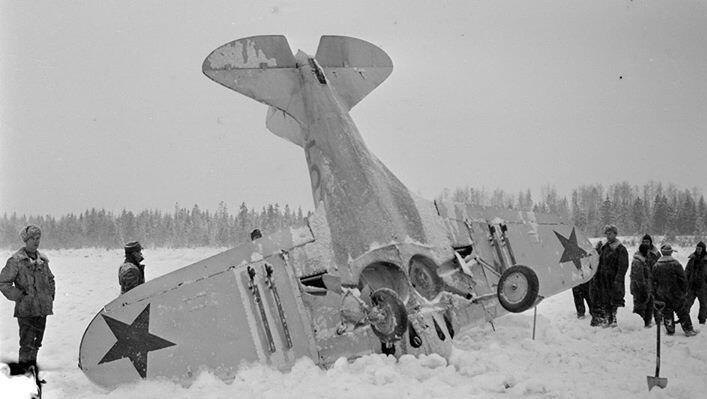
pixel 655 208
pixel 181 228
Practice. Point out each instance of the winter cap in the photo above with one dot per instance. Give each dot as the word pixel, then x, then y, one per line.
pixel 611 227
pixel 255 234
pixel 667 249
pixel 30 231
pixel 647 237
pixel 133 246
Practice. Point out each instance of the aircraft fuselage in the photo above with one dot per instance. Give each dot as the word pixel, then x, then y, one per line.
pixel 366 204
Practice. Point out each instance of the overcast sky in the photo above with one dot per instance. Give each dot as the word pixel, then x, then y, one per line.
pixel 103 104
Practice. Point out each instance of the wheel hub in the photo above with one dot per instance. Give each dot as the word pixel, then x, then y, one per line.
pixel 515 288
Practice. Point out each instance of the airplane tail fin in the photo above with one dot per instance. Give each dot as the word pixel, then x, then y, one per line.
pixel 264 68
pixel 354 67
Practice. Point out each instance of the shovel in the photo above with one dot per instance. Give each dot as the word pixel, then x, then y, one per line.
pixel 662 382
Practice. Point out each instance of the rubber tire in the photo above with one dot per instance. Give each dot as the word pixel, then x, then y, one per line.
pixel 396 308
pixel 529 297
pixel 425 279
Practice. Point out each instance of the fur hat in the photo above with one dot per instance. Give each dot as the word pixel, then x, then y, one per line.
pixel 30 231
pixel 667 249
pixel 133 246
pixel 702 245
pixel 647 237
pixel 611 227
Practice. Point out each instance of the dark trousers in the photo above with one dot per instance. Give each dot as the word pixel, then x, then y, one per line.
pixel 648 312
pixel 702 298
pixel 683 317
pixel 580 294
pixel 642 303
pixel 31 334
pixel 601 290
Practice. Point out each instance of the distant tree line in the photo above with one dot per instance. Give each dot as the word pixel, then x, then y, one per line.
pixel 181 228
pixel 655 208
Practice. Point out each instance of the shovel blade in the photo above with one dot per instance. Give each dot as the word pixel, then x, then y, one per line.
pixel 657 381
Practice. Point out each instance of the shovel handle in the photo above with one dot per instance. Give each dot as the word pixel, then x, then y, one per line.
pixel 653 381
pixel 657 357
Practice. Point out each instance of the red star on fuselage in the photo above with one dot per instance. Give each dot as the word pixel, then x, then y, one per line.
pixel 573 252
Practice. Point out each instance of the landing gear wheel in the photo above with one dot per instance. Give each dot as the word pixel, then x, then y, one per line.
pixel 388 317
pixel 425 279
pixel 518 289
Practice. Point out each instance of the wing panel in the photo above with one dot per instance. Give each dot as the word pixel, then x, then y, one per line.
pixel 202 315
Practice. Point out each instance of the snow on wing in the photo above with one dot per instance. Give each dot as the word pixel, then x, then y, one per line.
pixel 203 315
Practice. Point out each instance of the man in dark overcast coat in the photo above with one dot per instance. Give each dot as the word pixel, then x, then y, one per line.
pixel 670 287
pixel 608 287
pixel 696 273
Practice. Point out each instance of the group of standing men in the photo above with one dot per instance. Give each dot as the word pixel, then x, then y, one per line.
pixel 659 285
pixel 27 280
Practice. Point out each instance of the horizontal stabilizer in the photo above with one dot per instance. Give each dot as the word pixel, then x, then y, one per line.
pixel 264 68
pixel 354 67
pixel 260 67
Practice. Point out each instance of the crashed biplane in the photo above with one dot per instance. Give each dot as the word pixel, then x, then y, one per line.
pixel 376 269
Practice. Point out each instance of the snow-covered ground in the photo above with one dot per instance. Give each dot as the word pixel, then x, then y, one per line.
pixel 568 359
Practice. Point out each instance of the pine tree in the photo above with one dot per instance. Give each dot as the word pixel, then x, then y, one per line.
pixel 528 201
pixel 672 227
pixel 243 223
pixel 660 214
pixel 647 220
pixel 579 218
pixel 593 198
pixel 637 216
pixel 223 236
pixel 701 219
pixel 686 214
pixel 606 212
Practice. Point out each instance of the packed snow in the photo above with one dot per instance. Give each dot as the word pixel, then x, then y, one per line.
pixel 567 359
